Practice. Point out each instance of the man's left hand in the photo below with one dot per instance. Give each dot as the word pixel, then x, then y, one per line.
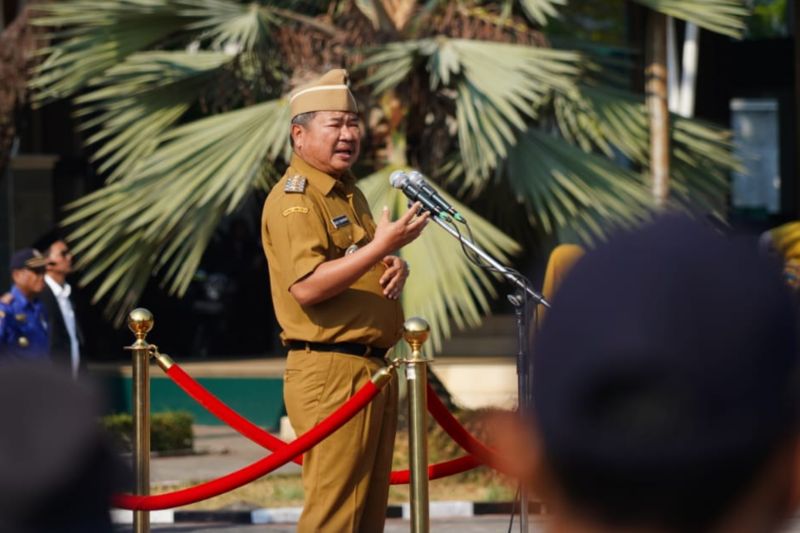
pixel 395 276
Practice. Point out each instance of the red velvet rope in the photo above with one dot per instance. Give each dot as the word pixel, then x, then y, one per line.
pixel 458 433
pixel 227 415
pixel 256 470
pixel 438 470
pixel 246 428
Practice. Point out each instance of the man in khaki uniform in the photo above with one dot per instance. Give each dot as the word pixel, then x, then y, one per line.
pixel 335 287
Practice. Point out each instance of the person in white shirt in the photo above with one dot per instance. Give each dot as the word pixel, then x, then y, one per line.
pixel 66 338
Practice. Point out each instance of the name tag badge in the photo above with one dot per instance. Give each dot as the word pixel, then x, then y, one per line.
pixel 340 221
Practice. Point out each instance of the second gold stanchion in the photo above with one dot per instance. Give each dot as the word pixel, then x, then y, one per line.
pixel 140 322
pixel 415 332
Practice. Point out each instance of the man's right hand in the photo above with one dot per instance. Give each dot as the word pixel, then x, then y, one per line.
pixel 395 235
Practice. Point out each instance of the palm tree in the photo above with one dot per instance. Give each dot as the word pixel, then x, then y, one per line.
pixel 182 104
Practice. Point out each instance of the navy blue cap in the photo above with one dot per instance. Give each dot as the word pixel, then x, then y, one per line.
pixel 28 258
pixel 667 348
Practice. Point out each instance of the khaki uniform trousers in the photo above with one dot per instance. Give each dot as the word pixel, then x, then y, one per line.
pixel 346 476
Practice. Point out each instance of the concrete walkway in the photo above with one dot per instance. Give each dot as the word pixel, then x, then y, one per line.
pixel 221 450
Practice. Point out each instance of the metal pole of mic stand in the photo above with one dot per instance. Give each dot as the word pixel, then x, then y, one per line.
pixel 498 267
pixel 519 301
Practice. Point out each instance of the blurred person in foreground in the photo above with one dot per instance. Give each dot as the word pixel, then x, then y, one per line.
pixel 335 285
pixel 23 319
pixel 65 339
pixel 57 470
pixel 666 390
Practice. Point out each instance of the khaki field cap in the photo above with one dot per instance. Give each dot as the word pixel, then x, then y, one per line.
pixel 331 92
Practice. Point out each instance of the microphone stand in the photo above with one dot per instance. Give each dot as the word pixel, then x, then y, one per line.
pixel 520 300
pixel 520 282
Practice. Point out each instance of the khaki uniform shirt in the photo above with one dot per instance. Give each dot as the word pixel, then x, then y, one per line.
pixel 302 229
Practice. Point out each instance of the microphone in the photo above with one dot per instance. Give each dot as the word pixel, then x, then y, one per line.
pixel 418 180
pixel 400 180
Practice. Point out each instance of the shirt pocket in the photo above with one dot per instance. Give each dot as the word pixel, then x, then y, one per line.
pixel 342 238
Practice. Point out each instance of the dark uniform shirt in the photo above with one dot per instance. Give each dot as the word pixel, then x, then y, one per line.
pixel 309 218
pixel 23 328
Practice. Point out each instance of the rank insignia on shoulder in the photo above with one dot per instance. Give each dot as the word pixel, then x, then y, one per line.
pixel 296 183
pixel 23 342
pixel 21 317
pixel 340 221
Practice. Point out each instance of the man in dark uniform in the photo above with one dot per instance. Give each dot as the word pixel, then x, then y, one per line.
pixel 335 286
pixel 23 321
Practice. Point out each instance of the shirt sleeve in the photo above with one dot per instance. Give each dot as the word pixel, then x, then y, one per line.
pixel 299 237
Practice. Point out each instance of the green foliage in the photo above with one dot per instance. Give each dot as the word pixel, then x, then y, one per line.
pixel 720 16
pixel 169 431
pixel 770 19
pixel 541 10
pixel 183 103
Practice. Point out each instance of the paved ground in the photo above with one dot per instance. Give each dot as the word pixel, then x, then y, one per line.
pixel 478 524
pixel 221 451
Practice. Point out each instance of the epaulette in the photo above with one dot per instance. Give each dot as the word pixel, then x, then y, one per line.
pixel 296 184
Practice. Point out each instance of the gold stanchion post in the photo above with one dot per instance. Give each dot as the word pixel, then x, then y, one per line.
pixel 140 322
pixel 416 333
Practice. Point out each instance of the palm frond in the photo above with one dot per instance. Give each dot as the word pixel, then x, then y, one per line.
pixel 503 86
pixel 451 290
pixel 168 210
pixel 540 11
pixel 498 88
pixel 567 187
pixel 614 122
pixel 241 25
pixel 721 16
pixel 227 22
pixel 134 102
pixel 91 36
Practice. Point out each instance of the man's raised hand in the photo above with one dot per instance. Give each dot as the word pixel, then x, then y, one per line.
pixel 395 235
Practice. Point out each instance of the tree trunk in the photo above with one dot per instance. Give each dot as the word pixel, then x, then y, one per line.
pixel 657 105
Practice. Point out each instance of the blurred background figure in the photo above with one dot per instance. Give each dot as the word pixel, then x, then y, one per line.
pixel 561 261
pixel 665 390
pixel 57 472
pixel 23 320
pixel 783 241
pixel 65 339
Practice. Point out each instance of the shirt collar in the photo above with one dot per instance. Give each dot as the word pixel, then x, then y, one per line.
pixel 325 183
pixel 60 291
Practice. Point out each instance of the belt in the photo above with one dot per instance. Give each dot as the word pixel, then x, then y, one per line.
pixel 350 348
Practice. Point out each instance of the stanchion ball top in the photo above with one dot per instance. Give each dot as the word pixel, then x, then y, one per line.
pixel 140 321
pixel 416 329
